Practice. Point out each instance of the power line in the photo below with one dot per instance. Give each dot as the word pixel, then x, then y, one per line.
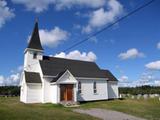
pixel 108 26
pixel 103 29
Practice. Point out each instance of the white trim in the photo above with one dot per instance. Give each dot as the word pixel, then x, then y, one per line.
pixel 53 83
pixel 92 78
pixel 21 78
pixel 34 83
pixel 62 77
pixel 113 82
pixel 33 50
pixel 80 77
pixel 45 76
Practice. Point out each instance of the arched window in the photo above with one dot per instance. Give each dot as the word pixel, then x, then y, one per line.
pixel 79 87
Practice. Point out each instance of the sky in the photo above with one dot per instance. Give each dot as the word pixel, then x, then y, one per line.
pixel 130 49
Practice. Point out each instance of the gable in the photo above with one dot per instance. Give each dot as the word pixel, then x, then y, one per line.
pixel 66 78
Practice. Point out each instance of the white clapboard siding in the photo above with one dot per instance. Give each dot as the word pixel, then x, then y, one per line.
pixel 112 90
pixel 34 93
pixel 87 93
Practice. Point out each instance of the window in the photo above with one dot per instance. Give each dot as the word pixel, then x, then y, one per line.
pixel 79 87
pixel 35 55
pixel 95 87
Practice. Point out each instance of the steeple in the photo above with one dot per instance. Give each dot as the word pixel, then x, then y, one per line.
pixel 34 42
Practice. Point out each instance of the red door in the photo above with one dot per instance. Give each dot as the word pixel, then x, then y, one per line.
pixel 66 92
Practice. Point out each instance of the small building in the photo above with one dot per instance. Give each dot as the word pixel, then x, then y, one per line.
pixel 48 79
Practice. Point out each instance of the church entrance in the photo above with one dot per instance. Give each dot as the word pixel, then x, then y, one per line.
pixel 66 92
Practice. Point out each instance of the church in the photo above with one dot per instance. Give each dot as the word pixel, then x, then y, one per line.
pixel 48 79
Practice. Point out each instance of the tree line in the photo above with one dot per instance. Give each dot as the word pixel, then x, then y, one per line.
pixel 140 90
pixel 9 91
pixel 15 90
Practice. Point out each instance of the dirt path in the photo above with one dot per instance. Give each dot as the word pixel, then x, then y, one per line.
pixel 107 114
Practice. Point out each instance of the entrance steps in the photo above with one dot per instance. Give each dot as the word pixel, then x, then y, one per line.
pixel 70 103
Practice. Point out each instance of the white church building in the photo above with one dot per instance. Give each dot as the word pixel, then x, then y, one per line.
pixel 48 79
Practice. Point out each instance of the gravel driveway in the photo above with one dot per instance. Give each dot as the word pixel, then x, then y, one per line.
pixel 107 114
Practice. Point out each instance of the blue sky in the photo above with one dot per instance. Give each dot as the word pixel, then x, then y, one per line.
pixel 130 49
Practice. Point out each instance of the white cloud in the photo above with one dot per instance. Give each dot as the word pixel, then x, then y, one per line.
pixel 35 5
pixel 131 54
pixel 157 82
pixel 106 10
pixel 148 77
pixel 61 4
pixel 77 55
pixel 158 45
pixel 124 81
pixel 153 65
pixel 53 37
pixel 41 5
pixel 1 80
pixel 123 78
pixel 13 79
pixel 5 13
pixel 101 17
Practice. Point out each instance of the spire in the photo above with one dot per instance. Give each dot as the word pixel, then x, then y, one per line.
pixel 34 42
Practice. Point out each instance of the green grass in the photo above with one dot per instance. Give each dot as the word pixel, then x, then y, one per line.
pixel 12 109
pixel 148 109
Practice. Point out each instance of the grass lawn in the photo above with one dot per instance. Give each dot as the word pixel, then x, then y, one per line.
pixel 149 109
pixel 12 109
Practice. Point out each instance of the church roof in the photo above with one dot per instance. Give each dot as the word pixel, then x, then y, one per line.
pixel 52 66
pixel 34 42
pixel 58 76
pixel 109 75
pixel 32 77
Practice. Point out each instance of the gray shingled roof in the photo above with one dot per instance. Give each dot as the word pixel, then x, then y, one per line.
pixel 109 75
pixel 35 39
pixel 58 76
pixel 32 77
pixel 52 66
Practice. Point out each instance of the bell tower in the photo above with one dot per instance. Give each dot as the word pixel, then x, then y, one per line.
pixel 34 51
